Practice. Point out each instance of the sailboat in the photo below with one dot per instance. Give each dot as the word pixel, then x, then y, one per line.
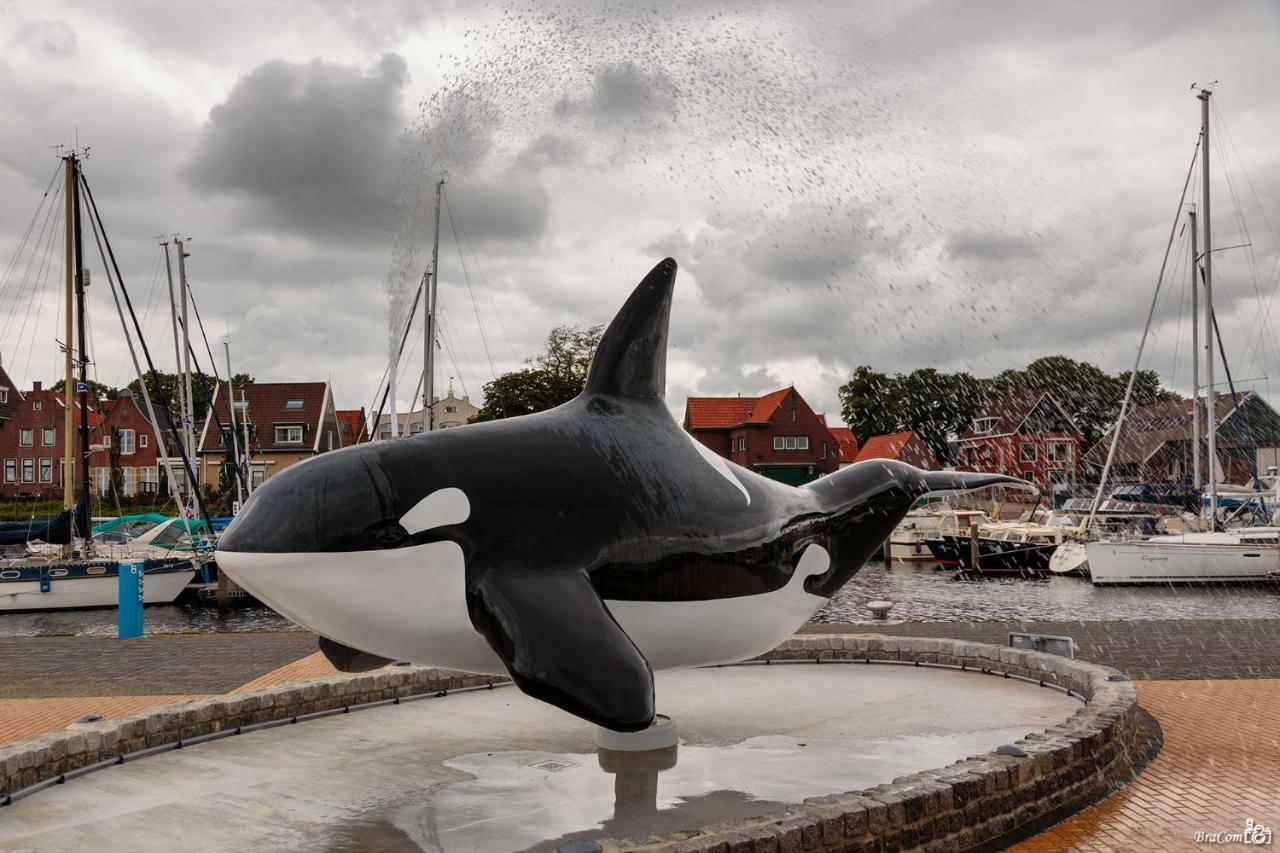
pixel 59 565
pixel 1216 556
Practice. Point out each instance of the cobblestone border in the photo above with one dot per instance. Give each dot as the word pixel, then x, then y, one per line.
pixel 967 804
pixel 971 803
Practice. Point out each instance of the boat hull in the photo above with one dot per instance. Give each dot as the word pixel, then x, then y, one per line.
pixel 1161 563
pixel 993 555
pixel 163 581
pixel 910 551
pixel 1070 558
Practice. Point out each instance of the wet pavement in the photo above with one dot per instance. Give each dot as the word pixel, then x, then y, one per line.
pixel 496 770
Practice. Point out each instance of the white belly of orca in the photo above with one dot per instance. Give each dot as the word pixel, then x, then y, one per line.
pixel 410 604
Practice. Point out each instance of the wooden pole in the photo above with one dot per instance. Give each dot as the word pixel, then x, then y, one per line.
pixel 973 547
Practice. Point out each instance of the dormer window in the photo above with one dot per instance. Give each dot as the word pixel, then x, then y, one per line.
pixel 289 434
pixel 4 395
pixel 293 404
pixel 985 425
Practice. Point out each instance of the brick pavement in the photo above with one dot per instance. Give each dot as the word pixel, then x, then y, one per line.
pixel 1220 765
pixel 22 717
pixel 159 664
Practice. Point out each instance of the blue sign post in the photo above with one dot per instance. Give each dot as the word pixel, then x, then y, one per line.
pixel 130 596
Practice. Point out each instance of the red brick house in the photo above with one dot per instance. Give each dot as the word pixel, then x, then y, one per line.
pixel 903 446
pixel 123 430
pixel 288 422
pixel 777 435
pixel 846 444
pixel 31 441
pixel 1028 435
pixel 351 423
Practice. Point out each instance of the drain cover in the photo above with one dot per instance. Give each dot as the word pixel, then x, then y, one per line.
pixel 553 766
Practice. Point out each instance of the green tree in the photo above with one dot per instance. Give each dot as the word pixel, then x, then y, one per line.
pixel 940 406
pixel 553 377
pixel 97 391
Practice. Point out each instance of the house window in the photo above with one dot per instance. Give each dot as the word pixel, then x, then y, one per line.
pixel 147 480
pixel 46 470
pixel 824 450
pixel 126 442
pixel 293 404
pixel 802 442
pixel 1059 451
pixel 25 437
pixel 415 429
pixel 742 444
pixel 256 475
pixel 4 395
pixel 985 425
pixel 47 437
pixel 1027 452
pixel 28 470
pixel 128 480
pixel 384 433
pixel 101 480
pixel 793 415
pixel 143 440
pixel 779 443
pixel 451 409
pixel 106 440
pixel 37 406
pixel 289 435
pixel 11 470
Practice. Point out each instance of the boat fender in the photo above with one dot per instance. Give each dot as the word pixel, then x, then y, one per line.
pixel 46 583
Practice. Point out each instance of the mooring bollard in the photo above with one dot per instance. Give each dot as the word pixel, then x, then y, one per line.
pixel 129 601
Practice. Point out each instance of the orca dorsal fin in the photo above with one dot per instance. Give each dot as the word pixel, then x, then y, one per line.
pixel 631 360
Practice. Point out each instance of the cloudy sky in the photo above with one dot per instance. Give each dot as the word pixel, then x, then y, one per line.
pixel 960 185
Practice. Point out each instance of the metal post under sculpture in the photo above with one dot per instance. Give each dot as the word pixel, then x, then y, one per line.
pixel 577 549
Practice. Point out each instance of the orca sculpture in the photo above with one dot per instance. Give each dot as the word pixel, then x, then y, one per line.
pixel 577 549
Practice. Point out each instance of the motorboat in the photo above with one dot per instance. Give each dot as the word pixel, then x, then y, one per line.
pixel 909 540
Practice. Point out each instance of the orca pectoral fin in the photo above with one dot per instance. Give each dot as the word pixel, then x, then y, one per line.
pixel 347 659
pixel 562 645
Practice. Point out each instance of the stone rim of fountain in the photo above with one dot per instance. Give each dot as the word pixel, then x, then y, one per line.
pixel 965 804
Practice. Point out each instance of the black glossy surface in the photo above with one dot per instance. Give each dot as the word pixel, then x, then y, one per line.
pixel 603 497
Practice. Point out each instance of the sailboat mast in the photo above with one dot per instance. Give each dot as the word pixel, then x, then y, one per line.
pixel 1195 352
pixel 1211 409
pixel 82 389
pixel 188 413
pixel 429 324
pixel 231 406
pixel 177 340
pixel 68 376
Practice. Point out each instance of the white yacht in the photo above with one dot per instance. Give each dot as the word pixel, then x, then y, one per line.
pixel 1247 554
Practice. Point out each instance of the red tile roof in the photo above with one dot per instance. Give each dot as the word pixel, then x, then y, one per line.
pixel 267 408
pixel 885 446
pixel 351 423
pixel 726 412
pixel 845 441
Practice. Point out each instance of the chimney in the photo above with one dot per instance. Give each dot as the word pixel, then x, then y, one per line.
pixel 35 386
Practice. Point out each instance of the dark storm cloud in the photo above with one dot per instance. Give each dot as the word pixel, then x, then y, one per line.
pixel 993 246
pixel 625 96
pixel 309 147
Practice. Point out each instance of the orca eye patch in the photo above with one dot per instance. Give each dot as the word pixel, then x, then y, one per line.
pixel 440 508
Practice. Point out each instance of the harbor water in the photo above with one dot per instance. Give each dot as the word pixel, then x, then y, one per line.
pixel 921 592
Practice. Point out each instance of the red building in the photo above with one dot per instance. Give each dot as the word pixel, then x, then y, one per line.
pixel 351 423
pixel 777 435
pixel 846 444
pixel 124 434
pixel 903 446
pixel 31 441
pixel 1027 435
